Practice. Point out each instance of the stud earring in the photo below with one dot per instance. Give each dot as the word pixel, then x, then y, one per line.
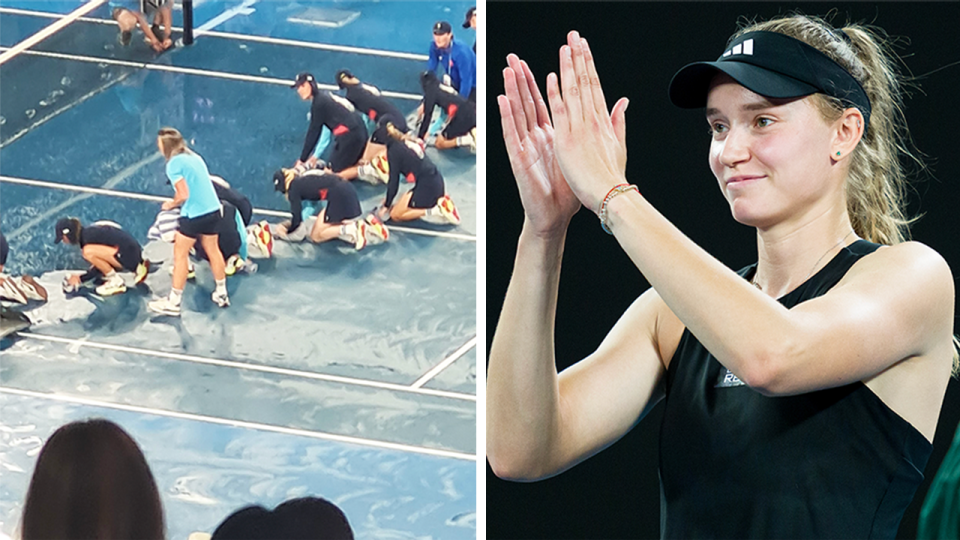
pixel 838 153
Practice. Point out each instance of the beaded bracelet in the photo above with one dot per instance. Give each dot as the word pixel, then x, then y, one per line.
pixel 616 190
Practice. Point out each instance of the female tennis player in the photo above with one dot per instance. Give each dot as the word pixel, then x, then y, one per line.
pixel 801 393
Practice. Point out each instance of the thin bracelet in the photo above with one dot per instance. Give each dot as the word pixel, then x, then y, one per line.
pixel 616 190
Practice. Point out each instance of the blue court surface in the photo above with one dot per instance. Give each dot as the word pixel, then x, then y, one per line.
pixel 335 373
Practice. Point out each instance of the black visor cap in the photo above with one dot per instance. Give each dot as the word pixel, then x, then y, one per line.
pixel 772 65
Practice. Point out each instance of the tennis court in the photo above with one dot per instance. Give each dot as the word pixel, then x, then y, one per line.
pixel 342 374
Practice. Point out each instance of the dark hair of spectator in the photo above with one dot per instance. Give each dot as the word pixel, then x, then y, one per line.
pixel 305 518
pixel 92 482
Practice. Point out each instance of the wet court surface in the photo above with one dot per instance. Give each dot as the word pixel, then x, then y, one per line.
pixel 348 375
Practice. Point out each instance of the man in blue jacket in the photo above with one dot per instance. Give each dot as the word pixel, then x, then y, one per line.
pixel 456 59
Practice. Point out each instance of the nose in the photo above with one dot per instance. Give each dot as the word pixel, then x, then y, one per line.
pixel 735 147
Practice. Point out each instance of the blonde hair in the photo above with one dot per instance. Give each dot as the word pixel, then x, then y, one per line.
pixel 172 143
pixel 877 180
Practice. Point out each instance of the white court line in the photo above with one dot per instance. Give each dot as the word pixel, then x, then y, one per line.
pixel 63 109
pixel 446 362
pixel 201 72
pixel 241 423
pixel 248 37
pixel 242 9
pixel 112 181
pixel 76 344
pixel 48 31
pixel 325 24
pixel 157 198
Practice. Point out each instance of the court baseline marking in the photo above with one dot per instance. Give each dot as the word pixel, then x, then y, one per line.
pixel 435 370
pixel 76 344
pixel 200 72
pixel 49 30
pixel 112 181
pixel 242 9
pixel 157 198
pixel 245 37
pixel 242 423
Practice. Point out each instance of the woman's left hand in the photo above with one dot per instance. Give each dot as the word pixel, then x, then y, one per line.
pixel 167 205
pixel 591 144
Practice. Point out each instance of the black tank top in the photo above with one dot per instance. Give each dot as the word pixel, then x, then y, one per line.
pixel 835 463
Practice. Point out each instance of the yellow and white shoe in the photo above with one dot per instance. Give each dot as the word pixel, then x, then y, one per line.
pixel 113 285
pixel 377 232
pixel 448 210
pixel 142 270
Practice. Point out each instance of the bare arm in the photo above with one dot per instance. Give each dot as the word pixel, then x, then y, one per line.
pixel 145 27
pixel 538 422
pixel 180 196
pixel 895 305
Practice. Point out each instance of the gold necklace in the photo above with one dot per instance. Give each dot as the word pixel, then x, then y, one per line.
pixel 757 285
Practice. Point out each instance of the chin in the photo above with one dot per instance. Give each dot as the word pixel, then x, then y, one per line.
pixel 745 215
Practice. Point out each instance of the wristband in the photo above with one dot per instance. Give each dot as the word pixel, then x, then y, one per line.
pixel 616 190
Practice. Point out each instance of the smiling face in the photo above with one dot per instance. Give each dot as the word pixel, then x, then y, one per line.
pixel 442 41
pixel 771 157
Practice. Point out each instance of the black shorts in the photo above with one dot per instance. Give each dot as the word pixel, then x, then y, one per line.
pixel 426 192
pixel 462 122
pixel 200 225
pixel 342 203
pixel 129 255
pixel 348 148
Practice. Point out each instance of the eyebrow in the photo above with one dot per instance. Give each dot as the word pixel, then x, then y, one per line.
pixel 753 106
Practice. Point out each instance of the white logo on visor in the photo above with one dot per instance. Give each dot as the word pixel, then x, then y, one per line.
pixel 740 48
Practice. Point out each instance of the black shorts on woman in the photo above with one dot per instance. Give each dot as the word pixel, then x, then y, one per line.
pixel 205 224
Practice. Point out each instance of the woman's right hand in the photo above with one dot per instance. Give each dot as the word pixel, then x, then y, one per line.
pixel 548 202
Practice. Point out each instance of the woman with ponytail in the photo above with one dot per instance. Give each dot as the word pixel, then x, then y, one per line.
pixel 406 158
pixel 200 216
pixel 801 394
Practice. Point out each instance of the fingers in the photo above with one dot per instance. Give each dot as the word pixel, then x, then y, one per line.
pixel 619 119
pixel 514 100
pixel 599 102
pixel 543 114
pixel 523 85
pixel 511 136
pixel 582 78
pixel 571 91
pixel 558 109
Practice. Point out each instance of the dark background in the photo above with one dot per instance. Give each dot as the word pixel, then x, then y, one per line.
pixel 639 46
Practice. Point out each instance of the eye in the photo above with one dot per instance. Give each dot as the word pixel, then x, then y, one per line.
pixel 716 128
pixel 764 122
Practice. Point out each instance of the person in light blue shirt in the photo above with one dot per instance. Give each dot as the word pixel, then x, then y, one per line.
pixel 200 215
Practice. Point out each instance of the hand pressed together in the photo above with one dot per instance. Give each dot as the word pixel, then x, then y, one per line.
pixel 547 200
pixel 591 144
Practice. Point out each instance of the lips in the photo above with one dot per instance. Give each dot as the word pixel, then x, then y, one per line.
pixel 742 179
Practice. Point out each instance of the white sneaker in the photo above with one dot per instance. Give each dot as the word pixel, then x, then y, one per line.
pixel 220 298
pixel 264 238
pixel 377 232
pixel 368 174
pixel 234 265
pixel 113 286
pixel 32 289
pixel 164 306
pixel 360 235
pixel 448 210
pixel 10 292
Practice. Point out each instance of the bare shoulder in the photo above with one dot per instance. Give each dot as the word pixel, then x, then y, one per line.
pixel 916 284
pixel 912 266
